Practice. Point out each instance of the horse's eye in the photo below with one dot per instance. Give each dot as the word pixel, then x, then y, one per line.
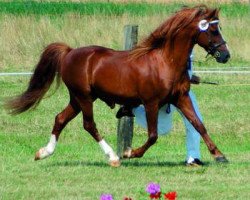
pixel 215 32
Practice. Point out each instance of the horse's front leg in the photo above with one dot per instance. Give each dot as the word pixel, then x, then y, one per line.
pixel 151 115
pixel 184 103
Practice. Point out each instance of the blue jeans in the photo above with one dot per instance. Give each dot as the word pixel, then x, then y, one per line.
pixel 164 125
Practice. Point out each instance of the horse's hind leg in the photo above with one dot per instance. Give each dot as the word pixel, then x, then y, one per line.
pixel 61 121
pixel 89 125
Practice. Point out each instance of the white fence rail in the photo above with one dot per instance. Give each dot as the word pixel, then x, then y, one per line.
pixel 196 71
pixel 16 74
pixel 201 70
pixel 221 72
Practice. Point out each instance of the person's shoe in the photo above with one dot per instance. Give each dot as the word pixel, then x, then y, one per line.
pixel 194 162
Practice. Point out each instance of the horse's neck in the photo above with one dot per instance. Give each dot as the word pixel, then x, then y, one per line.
pixel 179 54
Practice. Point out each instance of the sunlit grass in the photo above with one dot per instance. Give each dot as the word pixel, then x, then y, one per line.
pixel 24 36
pixel 79 170
pixel 138 8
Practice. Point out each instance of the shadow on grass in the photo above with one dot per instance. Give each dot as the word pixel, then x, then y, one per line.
pixel 124 163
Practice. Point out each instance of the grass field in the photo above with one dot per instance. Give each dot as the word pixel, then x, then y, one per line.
pixel 78 169
pixel 28 27
pixel 103 8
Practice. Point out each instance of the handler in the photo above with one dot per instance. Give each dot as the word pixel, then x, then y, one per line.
pixel 165 118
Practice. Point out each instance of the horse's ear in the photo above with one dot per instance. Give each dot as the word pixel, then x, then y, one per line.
pixel 213 14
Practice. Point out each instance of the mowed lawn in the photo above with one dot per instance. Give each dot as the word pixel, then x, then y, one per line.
pixel 79 170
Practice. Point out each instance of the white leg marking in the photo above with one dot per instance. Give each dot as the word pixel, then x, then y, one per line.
pixel 108 151
pixel 128 152
pixel 48 150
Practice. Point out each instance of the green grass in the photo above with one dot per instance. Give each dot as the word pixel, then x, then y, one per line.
pixel 28 27
pixel 88 8
pixel 104 8
pixel 79 170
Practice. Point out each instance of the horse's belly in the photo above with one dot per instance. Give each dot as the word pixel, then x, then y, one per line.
pixel 116 96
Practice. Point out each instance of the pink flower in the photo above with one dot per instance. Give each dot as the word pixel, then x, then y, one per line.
pixel 153 188
pixel 106 197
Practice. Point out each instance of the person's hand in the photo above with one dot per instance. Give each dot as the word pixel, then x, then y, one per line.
pixel 195 79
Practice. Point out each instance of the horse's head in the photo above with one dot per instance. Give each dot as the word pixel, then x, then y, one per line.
pixel 198 25
pixel 209 36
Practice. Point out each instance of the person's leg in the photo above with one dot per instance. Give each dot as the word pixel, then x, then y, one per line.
pixel 193 137
pixel 164 124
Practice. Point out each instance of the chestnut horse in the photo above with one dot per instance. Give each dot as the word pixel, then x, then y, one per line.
pixel 153 74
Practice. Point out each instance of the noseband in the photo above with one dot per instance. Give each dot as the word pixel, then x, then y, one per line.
pixel 212 47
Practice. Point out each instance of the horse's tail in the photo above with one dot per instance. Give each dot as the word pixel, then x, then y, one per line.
pixel 42 78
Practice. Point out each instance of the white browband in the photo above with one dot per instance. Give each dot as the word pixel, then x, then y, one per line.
pixel 214 21
pixel 204 24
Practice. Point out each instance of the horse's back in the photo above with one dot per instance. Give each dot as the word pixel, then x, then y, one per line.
pixel 99 70
pixel 109 74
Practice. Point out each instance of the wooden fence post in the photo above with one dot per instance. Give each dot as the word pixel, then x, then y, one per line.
pixel 126 124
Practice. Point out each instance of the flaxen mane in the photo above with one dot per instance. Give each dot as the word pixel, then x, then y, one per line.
pixel 168 30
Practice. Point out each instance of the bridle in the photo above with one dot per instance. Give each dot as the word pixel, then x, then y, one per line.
pixel 212 48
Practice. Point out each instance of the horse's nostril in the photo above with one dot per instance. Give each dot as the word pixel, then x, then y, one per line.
pixel 223 58
pixel 227 56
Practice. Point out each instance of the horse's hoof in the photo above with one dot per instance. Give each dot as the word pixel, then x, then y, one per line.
pixel 42 153
pixel 221 159
pixel 37 156
pixel 115 163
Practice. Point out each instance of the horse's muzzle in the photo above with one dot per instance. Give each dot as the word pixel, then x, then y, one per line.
pixel 221 56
